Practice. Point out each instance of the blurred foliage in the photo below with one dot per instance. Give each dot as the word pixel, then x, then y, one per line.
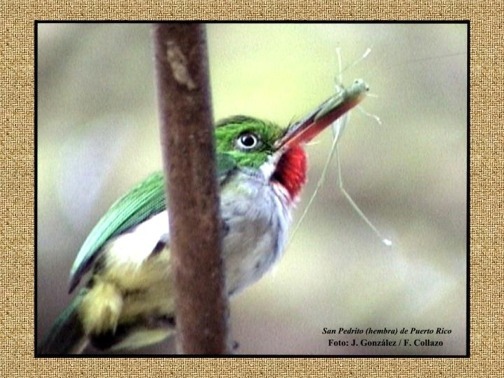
pixel 97 135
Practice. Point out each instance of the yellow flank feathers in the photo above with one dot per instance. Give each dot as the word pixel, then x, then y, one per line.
pixel 101 308
pixel 125 293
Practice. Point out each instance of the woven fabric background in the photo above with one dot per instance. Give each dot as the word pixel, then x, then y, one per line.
pixel 17 188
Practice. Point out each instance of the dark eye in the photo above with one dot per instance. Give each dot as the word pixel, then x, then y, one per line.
pixel 248 141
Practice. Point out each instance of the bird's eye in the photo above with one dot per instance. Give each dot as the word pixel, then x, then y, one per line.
pixel 248 141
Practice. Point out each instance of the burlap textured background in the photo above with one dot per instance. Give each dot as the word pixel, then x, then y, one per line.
pixel 17 191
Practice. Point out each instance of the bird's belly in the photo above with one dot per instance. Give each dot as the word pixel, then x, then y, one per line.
pixel 132 290
pixel 257 221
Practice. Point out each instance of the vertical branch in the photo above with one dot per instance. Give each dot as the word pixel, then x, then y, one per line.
pixel 189 163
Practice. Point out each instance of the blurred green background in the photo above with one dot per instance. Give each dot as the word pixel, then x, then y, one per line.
pixel 97 135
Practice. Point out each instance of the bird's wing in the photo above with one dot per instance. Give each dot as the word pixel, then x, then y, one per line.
pixel 143 201
pixel 139 204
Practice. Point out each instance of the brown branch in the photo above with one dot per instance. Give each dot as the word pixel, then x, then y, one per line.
pixel 189 164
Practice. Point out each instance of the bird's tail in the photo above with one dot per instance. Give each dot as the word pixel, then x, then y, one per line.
pixel 66 336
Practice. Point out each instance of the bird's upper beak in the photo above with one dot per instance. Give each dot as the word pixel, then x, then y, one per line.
pixel 329 111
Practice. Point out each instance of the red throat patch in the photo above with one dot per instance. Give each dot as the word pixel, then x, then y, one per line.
pixel 290 171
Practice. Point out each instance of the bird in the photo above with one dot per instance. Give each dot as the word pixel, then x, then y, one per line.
pixel 126 300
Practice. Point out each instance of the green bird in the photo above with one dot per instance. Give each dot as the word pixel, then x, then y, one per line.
pixel 127 300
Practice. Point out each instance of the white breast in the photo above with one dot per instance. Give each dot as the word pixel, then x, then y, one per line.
pixel 256 214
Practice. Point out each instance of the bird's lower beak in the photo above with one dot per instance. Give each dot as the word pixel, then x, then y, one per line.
pixel 329 111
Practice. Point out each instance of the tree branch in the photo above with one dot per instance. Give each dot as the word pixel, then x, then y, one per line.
pixel 189 163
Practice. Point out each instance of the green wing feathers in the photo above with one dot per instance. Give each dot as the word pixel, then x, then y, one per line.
pixel 140 203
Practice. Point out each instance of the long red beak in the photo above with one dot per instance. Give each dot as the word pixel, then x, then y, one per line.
pixel 329 111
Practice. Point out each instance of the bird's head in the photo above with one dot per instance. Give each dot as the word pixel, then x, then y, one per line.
pixel 277 152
